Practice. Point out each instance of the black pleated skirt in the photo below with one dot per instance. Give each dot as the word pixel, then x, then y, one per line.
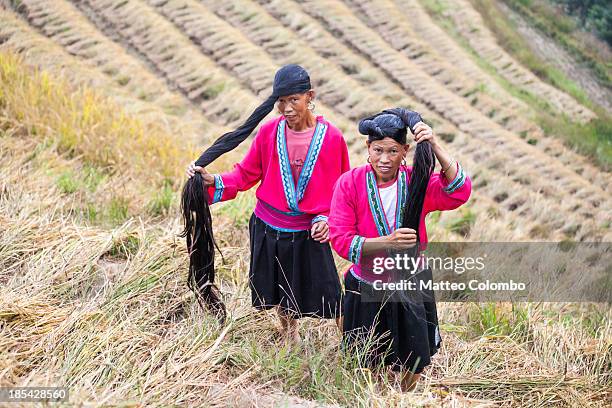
pixel 293 271
pixel 391 332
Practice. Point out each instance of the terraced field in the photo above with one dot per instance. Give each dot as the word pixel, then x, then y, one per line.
pixel 211 61
pixel 196 68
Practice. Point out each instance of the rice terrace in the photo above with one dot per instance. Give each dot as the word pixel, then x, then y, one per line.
pixel 104 103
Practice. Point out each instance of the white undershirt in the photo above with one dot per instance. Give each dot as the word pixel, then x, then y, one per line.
pixel 388 197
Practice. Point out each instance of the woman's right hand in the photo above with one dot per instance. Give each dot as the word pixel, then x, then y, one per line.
pixel 208 178
pixel 402 238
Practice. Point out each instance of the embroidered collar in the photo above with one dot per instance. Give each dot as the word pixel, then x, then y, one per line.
pixel 376 207
pixel 293 193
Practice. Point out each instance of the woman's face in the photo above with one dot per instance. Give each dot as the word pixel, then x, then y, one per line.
pixel 386 156
pixel 295 107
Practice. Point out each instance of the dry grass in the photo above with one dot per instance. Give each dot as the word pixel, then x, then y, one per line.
pixel 92 273
pixel 104 309
pixel 84 124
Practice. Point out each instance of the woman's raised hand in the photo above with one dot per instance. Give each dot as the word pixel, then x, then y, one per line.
pixel 208 178
pixel 423 131
pixel 402 238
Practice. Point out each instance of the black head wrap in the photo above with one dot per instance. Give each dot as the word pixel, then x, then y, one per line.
pixel 389 123
pixel 393 123
pixel 290 79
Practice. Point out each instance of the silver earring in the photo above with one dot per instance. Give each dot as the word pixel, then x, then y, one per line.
pixel 311 106
pixel 369 160
pixel 403 162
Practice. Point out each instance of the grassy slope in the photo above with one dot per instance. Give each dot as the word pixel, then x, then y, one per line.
pixel 563 29
pixel 594 138
pixel 103 143
pixel 105 311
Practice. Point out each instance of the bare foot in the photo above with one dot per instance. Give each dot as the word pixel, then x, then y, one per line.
pixel 339 323
pixel 290 329
pixel 409 381
pixel 292 335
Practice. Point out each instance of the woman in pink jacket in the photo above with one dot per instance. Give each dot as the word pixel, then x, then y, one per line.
pixel 379 208
pixel 296 157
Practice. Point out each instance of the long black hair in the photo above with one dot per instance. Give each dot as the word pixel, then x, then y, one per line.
pixel 394 123
pixel 290 79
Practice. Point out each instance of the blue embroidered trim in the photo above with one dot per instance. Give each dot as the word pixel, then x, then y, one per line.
pixel 354 254
pixel 457 182
pixel 375 205
pixel 218 189
pixel 380 219
pixel 402 196
pixel 314 148
pixel 311 158
pixel 359 278
pixel 285 167
pixel 282 229
pixel 319 218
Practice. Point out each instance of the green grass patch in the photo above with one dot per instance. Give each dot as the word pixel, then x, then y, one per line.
pixel 311 370
pixel 123 80
pixel 592 318
pixel 240 209
pixel 435 7
pixel 67 182
pixel 162 200
pixel 433 217
pixel 214 90
pixel 88 178
pixel 90 213
pixel 93 177
pixel 117 210
pixel 593 139
pixel 463 224
pixel 492 319
pixel 124 247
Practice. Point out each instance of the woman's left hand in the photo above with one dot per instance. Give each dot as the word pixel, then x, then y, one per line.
pixel 320 232
pixel 423 131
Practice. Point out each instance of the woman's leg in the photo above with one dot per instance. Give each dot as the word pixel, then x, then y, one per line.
pixel 408 381
pixel 289 326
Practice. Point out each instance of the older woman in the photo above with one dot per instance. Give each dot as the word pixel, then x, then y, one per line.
pixel 297 157
pixel 381 206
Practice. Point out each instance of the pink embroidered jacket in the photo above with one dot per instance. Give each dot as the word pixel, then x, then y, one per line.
pixel 357 212
pixel 282 203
